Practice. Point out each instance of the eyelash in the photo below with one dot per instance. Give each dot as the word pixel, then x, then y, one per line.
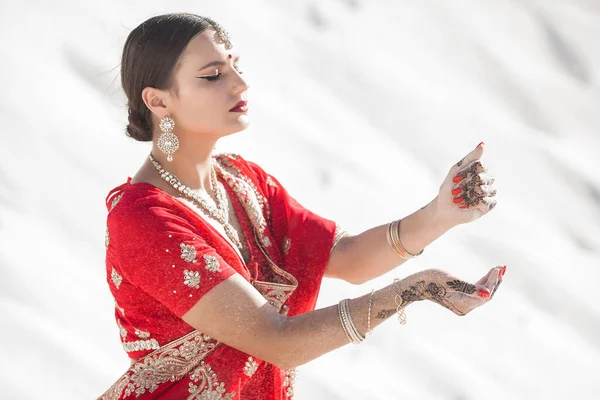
pixel 217 76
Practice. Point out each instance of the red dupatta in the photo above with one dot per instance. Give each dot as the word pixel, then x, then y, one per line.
pixel 162 257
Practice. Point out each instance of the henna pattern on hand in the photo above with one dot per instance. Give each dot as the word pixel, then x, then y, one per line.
pixel 474 169
pixel 471 197
pixel 385 314
pixel 461 286
pixel 458 164
pixel 495 288
pixel 431 291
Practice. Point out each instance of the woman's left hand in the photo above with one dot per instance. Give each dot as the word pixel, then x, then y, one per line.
pixel 467 192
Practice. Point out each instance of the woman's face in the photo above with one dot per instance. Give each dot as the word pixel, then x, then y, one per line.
pixel 206 94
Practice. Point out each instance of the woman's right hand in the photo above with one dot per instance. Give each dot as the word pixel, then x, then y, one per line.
pixel 449 291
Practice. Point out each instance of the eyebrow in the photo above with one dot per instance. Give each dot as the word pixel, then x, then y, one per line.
pixel 218 62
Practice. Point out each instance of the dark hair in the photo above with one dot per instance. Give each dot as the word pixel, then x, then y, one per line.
pixel 150 56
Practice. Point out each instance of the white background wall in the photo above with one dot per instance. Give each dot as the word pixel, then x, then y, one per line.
pixel 359 108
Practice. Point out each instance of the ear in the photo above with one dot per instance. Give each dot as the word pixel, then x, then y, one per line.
pixel 156 101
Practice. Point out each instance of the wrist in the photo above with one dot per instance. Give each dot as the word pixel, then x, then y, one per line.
pixel 434 219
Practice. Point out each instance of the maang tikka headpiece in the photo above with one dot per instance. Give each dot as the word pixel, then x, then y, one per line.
pixel 223 34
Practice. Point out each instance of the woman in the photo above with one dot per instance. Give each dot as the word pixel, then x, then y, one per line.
pixel 215 269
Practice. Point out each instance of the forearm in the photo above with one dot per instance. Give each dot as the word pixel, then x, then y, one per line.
pixel 307 336
pixel 368 255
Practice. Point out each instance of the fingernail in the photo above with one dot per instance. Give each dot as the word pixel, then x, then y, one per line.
pixel 462 206
pixel 484 293
pixel 456 191
pixel 503 270
pixel 458 199
pixel 480 144
pixel 457 179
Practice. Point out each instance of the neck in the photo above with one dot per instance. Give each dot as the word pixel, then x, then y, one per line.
pixel 191 165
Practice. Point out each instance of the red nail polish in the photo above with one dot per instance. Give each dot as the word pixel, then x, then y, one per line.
pixel 457 179
pixel 480 144
pixel 462 206
pixel 456 191
pixel 503 270
pixel 458 199
pixel 484 293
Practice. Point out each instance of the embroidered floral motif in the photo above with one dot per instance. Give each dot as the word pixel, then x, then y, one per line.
pixel 287 242
pixel 250 367
pixel 142 334
pixel 168 363
pixel 116 278
pixel 150 344
pixel 191 279
pixel 270 182
pixel 188 252
pixel 119 308
pixel 106 238
pixel 115 201
pixel 288 383
pixel 212 263
pixel 122 330
pixel 206 385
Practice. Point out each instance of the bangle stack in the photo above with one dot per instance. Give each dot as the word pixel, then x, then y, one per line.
pixel 393 238
pixel 346 319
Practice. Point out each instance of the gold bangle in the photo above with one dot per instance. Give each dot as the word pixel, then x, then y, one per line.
pixel 399 241
pixel 393 238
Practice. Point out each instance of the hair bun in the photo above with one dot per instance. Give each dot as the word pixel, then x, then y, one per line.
pixel 137 128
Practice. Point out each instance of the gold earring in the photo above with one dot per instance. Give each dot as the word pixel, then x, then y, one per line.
pixel 168 142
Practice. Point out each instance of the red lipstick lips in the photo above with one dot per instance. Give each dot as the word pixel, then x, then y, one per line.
pixel 241 106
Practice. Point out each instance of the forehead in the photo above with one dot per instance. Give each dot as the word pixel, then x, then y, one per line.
pixel 206 47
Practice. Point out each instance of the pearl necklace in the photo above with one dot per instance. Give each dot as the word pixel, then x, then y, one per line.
pixel 219 213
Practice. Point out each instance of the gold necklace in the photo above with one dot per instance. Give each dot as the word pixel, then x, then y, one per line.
pixel 220 213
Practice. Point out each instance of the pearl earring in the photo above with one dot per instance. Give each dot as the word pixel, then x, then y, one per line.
pixel 168 142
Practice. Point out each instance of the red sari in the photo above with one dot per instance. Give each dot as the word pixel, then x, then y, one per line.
pixel 162 257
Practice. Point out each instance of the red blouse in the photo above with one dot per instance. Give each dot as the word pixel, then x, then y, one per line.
pixel 162 257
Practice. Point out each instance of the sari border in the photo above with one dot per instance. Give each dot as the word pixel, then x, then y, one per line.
pixel 170 362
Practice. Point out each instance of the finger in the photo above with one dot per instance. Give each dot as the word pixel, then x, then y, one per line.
pixel 500 279
pixel 474 168
pixel 469 158
pixel 487 204
pixel 473 179
pixel 493 278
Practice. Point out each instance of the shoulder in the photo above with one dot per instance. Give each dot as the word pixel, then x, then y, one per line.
pixel 142 208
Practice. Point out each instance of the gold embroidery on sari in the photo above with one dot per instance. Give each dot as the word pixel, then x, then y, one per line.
pixel 253 201
pixel 191 279
pixel 250 367
pixel 288 383
pixel 119 308
pixel 171 362
pixel 270 181
pixel 122 330
pixel 212 263
pixel 141 334
pixel 116 278
pixel 106 238
pixel 115 201
pixel 150 344
pixel 208 387
pixel 188 252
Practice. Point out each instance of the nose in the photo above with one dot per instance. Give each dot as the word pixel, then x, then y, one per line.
pixel 240 84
